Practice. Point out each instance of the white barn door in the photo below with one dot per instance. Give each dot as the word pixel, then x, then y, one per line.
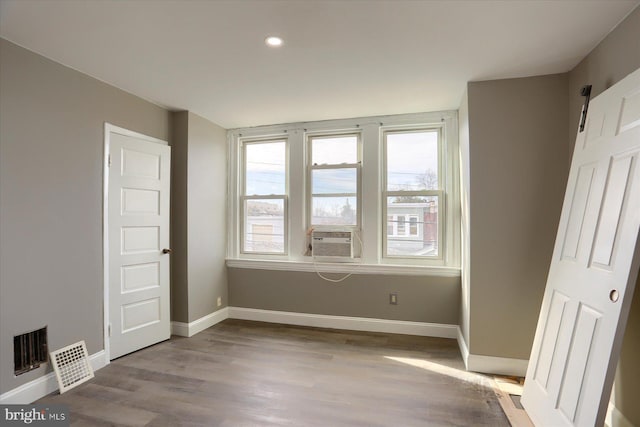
pixel 594 268
pixel 138 209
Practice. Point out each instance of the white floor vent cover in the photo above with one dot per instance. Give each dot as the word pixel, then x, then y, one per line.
pixel 71 365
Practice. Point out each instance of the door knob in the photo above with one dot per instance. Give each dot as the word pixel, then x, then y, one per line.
pixel 167 251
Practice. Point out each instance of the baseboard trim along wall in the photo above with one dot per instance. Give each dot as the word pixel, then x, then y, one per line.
pixel 344 322
pixel 47 384
pixel 490 364
pixel 464 350
pixel 190 329
pixel 497 365
pixel 473 362
pixel 615 418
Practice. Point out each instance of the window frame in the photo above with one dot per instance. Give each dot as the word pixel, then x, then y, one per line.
pixel 243 197
pixel 310 167
pixel 372 215
pixel 440 193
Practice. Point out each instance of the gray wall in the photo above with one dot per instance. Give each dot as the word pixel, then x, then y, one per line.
pixel 625 389
pixel 518 159
pixel 179 241
pixel 613 59
pixel 51 155
pixel 207 217
pixel 420 299
pixel 199 175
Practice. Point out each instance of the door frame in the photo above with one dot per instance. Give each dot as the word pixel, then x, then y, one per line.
pixel 108 129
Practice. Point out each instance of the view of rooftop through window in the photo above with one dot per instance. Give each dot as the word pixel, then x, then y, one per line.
pixel 265 189
pixel 412 184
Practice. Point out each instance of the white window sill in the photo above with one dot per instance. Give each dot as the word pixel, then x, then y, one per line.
pixel 354 268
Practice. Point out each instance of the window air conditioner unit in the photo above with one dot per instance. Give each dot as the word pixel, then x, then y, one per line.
pixel 332 244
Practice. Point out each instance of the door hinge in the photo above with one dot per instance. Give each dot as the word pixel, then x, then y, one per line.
pixel 109 161
pixel 586 92
pixel 109 330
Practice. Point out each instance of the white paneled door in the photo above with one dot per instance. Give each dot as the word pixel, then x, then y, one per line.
pixel 138 236
pixel 593 270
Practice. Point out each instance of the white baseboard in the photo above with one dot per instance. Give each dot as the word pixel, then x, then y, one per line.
pixel 490 364
pixel 497 365
pixel 615 418
pixel 317 320
pixel 190 329
pixel 464 349
pixel 344 322
pixel 98 360
pixel 46 384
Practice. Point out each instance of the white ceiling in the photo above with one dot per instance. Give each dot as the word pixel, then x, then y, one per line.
pixel 341 59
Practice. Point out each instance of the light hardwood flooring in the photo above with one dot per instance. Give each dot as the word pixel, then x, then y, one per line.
pixel 242 373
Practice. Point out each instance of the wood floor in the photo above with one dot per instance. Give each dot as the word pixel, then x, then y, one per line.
pixel 241 373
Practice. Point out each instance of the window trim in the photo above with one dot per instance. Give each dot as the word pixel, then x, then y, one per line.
pixel 344 268
pixel 440 193
pixel 243 197
pixel 310 167
pixel 371 203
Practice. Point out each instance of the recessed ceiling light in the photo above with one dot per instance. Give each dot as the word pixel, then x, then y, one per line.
pixel 273 41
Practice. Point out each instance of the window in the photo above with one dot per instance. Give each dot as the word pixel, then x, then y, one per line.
pixel 412 193
pixel 264 198
pixel 397 225
pixel 413 225
pixel 393 180
pixel 334 171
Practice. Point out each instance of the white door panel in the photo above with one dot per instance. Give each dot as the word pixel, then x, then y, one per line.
pixel 593 270
pixel 136 277
pixel 139 179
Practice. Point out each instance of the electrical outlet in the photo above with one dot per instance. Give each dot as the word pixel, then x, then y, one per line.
pixel 393 298
pixel 219 301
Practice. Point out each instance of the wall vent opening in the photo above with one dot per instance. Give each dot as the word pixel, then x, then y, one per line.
pixel 29 351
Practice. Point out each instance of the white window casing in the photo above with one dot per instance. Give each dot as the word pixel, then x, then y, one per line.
pixel 371 216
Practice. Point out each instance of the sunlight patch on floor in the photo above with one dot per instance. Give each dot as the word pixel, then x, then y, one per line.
pixel 470 377
pixel 504 387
